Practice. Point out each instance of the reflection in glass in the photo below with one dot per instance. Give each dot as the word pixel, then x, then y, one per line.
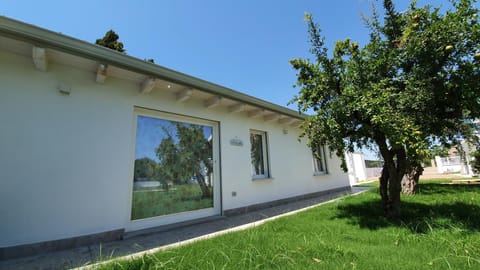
pixel 256 152
pixel 319 160
pixel 173 169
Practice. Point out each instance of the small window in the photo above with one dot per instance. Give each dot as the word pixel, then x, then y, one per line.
pixel 258 153
pixel 319 160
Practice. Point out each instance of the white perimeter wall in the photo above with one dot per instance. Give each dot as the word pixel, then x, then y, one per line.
pixel 356 167
pixel 67 160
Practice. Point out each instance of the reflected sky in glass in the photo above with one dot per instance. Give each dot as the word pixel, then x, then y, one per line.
pixel 151 131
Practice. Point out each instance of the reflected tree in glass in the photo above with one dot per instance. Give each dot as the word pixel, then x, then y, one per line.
pixel 145 169
pixel 256 153
pixel 173 169
pixel 190 157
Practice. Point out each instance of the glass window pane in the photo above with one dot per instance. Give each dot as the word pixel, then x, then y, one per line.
pixel 173 170
pixel 319 159
pixel 258 164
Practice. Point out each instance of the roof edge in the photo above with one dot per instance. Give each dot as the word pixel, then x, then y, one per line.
pixel 45 38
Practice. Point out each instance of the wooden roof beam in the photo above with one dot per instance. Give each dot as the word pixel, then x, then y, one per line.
pixel 212 102
pixel 271 117
pixel 286 120
pixel 184 95
pixel 296 123
pixel 101 73
pixel 236 108
pixel 147 85
pixel 40 58
pixel 256 113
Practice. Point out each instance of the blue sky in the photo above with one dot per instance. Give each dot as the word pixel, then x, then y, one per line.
pixel 244 45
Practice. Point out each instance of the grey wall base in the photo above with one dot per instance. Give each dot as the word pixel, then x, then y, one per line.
pixel 255 207
pixel 13 252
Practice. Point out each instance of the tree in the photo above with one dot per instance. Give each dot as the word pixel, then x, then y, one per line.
pixel 188 157
pixel 110 40
pixel 438 150
pixel 145 168
pixel 414 82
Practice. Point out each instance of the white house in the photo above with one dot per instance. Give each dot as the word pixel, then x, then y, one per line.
pixel 80 124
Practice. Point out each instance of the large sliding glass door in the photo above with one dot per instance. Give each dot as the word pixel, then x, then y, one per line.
pixel 175 166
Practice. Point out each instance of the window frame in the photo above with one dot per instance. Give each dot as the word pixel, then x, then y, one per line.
pixel 265 157
pixel 322 161
pixel 160 220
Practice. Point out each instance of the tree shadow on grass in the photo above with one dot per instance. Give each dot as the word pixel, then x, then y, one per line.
pixel 419 217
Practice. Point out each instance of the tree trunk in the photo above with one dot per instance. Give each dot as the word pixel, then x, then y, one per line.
pixel 410 180
pixel 390 192
pixel 203 186
pixel 394 189
pixel 384 189
pixel 395 164
pixel 390 180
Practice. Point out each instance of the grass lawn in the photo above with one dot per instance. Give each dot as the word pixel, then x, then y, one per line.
pixel 440 229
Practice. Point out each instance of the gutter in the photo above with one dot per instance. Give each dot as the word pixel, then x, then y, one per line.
pixel 48 39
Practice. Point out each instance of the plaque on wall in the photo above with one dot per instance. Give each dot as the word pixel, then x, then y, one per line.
pixel 236 142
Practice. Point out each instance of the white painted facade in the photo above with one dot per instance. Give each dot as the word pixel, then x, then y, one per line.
pixel 67 159
pixel 356 167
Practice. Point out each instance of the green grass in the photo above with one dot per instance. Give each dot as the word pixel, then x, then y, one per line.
pixel 375 183
pixel 149 202
pixel 439 229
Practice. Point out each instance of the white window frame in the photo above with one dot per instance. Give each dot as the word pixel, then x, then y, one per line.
pixel 140 224
pixel 319 163
pixel 265 162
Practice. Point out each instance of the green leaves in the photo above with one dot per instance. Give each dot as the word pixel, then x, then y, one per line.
pixel 186 154
pixel 416 78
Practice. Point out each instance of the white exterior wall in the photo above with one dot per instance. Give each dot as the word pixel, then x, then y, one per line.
pixel 356 167
pixel 67 160
pixel 291 165
pixel 374 172
pixel 448 164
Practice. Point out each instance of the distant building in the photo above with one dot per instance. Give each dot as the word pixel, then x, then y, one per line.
pixel 456 161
